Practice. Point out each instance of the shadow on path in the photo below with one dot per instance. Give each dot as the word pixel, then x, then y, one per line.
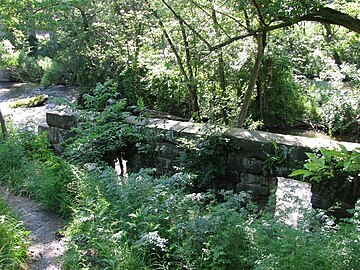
pixel 46 245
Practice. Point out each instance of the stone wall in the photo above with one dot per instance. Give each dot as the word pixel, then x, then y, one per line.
pixel 58 126
pixel 4 76
pixel 248 168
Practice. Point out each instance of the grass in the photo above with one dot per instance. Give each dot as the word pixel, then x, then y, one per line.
pixel 30 168
pixel 13 240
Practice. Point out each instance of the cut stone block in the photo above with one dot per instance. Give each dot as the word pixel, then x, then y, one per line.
pixel 63 120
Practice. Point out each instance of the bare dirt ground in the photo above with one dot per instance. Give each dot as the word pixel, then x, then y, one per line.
pixel 47 245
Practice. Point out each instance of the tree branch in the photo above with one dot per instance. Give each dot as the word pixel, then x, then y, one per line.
pixel 252 33
pixel 324 15
pixel 261 18
pixel 172 46
pixel 332 16
pixel 177 16
pixel 210 16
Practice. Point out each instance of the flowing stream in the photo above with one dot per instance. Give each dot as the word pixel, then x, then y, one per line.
pixel 29 118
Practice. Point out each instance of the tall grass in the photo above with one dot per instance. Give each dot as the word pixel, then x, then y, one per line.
pixel 29 167
pixel 13 240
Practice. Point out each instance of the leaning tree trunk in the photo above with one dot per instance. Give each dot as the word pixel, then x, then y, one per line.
pixel 3 125
pixel 329 39
pixel 261 44
pixel 221 66
pixel 191 84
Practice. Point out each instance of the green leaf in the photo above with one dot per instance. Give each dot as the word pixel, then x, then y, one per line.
pixel 312 156
pixel 298 172
pixel 347 164
pixel 343 149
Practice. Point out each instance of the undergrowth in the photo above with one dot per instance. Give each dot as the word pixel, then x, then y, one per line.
pixel 13 240
pixel 29 167
pixel 148 222
pixel 145 222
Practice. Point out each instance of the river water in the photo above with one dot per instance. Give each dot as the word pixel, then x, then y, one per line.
pixel 29 118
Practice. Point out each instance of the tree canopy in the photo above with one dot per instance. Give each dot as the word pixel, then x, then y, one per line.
pixel 196 58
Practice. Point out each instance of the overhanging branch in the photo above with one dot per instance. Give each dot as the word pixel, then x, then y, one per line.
pixel 323 15
pixel 332 16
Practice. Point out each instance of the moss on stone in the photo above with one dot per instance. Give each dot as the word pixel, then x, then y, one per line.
pixel 30 102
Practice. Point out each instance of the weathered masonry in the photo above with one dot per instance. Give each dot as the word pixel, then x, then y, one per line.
pixel 247 168
pixel 5 76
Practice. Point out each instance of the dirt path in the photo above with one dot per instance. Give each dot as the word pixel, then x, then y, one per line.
pixel 47 245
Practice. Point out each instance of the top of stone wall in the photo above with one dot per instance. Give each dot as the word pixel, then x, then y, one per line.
pixel 66 120
pixel 261 137
pixel 61 119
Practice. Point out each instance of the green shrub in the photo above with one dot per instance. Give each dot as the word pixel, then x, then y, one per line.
pixel 30 167
pixel 102 134
pixel 145 222
pixel 13 240
pixel 279 100
pixel 57 73
pixel 102 95
pixel 284 247
pixel 333 109
pixel 148 223
pixel 335 177
pixel 330 164
pixel 205 156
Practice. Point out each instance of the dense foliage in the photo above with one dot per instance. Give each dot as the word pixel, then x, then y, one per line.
pixel 331 164
pixel 334 175
pixel 204 157
pixel 211 60
pixel 29 167
pixel 147 223
pixel 102 134
pixel 255 63
pixel 13 240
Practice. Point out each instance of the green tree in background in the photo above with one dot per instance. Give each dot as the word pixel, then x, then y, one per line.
pixel 195 58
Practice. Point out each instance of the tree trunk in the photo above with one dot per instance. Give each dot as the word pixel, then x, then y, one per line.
pixel 3 125
pixel 261 44
pixel 260 98
pixel 329 39
pixel 221 65
pixel 135 60
pixel 192 85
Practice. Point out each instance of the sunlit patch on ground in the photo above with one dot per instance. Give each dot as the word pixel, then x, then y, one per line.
pixel 47 246
pixel 292 199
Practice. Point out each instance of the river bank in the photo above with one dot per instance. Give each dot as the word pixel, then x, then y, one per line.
pixel 30 118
